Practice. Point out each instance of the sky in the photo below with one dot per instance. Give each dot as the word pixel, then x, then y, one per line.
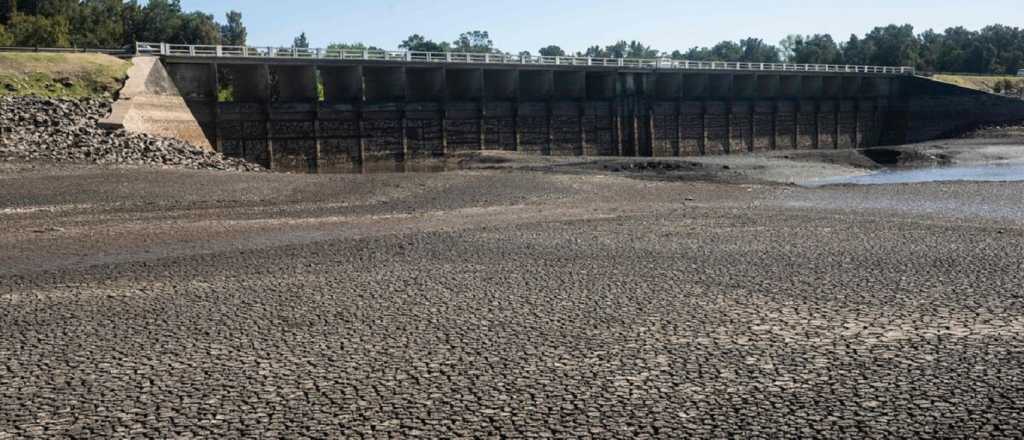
pixel 577 24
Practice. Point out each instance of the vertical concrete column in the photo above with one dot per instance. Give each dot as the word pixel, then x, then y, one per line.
pixel 443 112
pixel 269 127
pixel 635 124
pixel 677 146
pixel 816 137
pixel 752 126
pixel 403 122
pixel 582 151
pixel 515 126
pixel 483 111
pixel 856 123
pixel 702 142
pixel 836 129
pixel 728 126
pixel 773 142
pixel 404 126
pixel 482 124
pixel 650 129
pixel 218 137
pixel 617 124
pixel 550 111
pixel 317 147
pixel 876 118
pixel 516 131
pixel 361 133
pixel 795 141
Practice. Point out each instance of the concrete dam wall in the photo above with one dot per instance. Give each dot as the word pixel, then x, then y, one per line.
pixel 341 116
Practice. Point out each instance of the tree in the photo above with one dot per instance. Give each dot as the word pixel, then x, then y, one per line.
pixel 98 23
pixel 636 49
pixel 551 51
pixel 755 50
pixel 596 52
pixel 930 49
pixel 958 43
pixel 894 46
pixel 475 42
pixel 53 8
pixel 6 39
pixel 39 31
pixel 857 51
pixel 816 49
pixel 233 33
pixel 197 28
pixel 726 51
pixel 7 10
pixel 787 46
pixel 301 41
pixel 158 21
pixel 617 50
pixel 694 54
pixel 350 46
pixel 419 43
pixel 1008 45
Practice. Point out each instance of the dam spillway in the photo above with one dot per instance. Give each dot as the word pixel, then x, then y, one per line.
pixel 317 113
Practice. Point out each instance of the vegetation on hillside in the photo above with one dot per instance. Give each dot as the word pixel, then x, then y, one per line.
pixel 61 75
pixel 111 24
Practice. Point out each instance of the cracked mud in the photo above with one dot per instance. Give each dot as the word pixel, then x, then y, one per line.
pixel 504 303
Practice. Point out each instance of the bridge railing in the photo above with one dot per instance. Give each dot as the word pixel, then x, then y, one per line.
pixel 184 50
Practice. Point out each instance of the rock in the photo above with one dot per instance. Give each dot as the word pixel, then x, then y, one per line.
pixel 10 87
pixel 66 130
pixel 65 81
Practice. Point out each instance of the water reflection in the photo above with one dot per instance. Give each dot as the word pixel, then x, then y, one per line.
pixel 981 173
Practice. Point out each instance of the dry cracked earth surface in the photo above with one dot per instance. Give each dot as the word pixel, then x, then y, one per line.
pixel 505 303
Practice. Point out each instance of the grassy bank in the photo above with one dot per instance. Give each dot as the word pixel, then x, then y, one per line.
pixel 61 74
pixel 986 83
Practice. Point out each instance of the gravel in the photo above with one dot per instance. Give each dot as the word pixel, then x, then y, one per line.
pixel 66 131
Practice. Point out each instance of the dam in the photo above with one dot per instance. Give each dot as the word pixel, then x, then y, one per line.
pixel 317 110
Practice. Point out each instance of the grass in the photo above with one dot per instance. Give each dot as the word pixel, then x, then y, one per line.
pixel 71 75
pixel 986 83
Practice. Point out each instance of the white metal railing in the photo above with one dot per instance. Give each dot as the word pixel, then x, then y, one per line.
pixel 165 49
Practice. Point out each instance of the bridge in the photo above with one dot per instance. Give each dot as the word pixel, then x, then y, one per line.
pixel 325 110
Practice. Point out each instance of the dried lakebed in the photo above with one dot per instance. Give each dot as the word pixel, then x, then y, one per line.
pixel 506 302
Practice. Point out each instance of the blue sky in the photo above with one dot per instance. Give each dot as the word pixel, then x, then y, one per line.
pixel 575 24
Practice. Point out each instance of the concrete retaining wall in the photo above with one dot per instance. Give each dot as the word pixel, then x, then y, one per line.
pixel 150 103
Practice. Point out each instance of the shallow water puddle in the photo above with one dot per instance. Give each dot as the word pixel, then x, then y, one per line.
pixel 981 173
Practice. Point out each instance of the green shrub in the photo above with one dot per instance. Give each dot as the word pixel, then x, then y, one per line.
pixel 39 31
pixel 6 39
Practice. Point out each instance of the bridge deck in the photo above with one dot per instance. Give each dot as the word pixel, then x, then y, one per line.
pixel 293 53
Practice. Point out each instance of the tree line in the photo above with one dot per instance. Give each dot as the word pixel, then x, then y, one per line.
pixel 994 49
pixel 119 23
pixel 112 24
